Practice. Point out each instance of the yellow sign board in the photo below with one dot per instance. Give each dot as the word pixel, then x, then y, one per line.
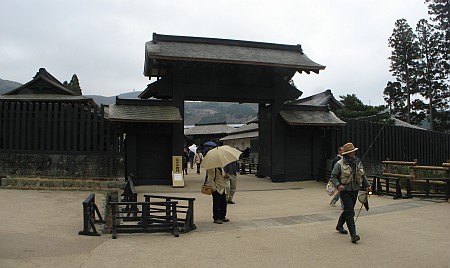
pixel 177 171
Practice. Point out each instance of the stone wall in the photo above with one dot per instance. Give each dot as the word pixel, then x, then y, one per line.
pixel 86 166
pixel 98 184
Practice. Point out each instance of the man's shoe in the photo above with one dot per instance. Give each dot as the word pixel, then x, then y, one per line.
pixel 231 202
pixel 218 221
pixel 341 230
pixel 225 220
pixel 355 238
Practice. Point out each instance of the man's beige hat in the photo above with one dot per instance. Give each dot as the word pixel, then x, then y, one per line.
pixel 348 148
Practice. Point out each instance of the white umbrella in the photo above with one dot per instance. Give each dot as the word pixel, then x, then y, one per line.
pixel 193 148
pixel 220 157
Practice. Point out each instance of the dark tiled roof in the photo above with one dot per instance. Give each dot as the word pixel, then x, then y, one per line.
pixel 245 135
pixel 245 128
pixel 35 85
pixel 144 113
pixel 183 48
pixel 45 97
pixel 311 118
pixel 401 123
pixel 323 98
pixel 208 129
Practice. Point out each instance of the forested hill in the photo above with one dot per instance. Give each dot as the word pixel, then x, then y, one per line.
pixel 194 112
pixel 6 85
pixel 214 112
pixel 200 112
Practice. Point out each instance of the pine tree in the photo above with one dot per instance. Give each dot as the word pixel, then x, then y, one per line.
pixel 74 85
pixel 395 98
pixel 355 108
pixel 430 74
pixel 404 60
pixel 439 10
pixel 440 14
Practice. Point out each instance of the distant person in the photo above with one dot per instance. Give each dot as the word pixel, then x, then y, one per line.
pixel 185 160
pixel 246 153
pixel 198 158
pixel 348 175
pixel 191 158
pixel 336 197
pixel 231 170
pixel 215 178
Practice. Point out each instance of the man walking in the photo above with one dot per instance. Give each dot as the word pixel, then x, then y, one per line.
pixel 347 175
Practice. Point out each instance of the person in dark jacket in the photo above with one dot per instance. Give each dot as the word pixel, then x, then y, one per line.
pixel 348 176
pixel 337 196
pixel 231 170
pixel 185 160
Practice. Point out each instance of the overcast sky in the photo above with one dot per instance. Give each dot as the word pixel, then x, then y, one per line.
pixel 103 41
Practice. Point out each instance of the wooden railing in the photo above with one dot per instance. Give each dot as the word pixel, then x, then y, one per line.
pixel 153 217
pixel 90 210
pixel 184 210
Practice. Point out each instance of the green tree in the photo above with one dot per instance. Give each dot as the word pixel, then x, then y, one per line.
pixel 355 108
pixel 440 14
pixel 395 98
pixel 439 10
pixel 430 74
pixel 74 85
pixel 404 60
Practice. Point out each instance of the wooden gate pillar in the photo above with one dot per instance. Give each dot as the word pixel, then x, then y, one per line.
pixel 277 130
pixel 177 129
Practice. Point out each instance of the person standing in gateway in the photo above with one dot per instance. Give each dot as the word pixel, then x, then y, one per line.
pixel 347 175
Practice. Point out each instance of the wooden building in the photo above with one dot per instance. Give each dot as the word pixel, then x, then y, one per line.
pixel 44 87
pixel 148 126
pixel 201 133
pixel 242 137
pixel 48 130
pixel 209 69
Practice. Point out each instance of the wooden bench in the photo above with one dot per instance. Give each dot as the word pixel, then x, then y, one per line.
pixel 421 186
pixel 440 186
pixel 389 177
pixel 389 183
pixel 415 185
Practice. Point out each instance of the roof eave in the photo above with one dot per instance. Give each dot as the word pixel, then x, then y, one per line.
pixel 149 73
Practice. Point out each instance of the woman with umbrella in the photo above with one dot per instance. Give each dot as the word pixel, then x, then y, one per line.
pixel 214 162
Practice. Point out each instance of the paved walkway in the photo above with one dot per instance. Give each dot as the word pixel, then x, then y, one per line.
pixel 272 225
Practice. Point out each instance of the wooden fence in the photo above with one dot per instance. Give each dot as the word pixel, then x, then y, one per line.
pixel 57 128
pixel 378 142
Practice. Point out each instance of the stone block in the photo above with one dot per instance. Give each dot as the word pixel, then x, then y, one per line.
pixel 68 183
pixel 77 183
